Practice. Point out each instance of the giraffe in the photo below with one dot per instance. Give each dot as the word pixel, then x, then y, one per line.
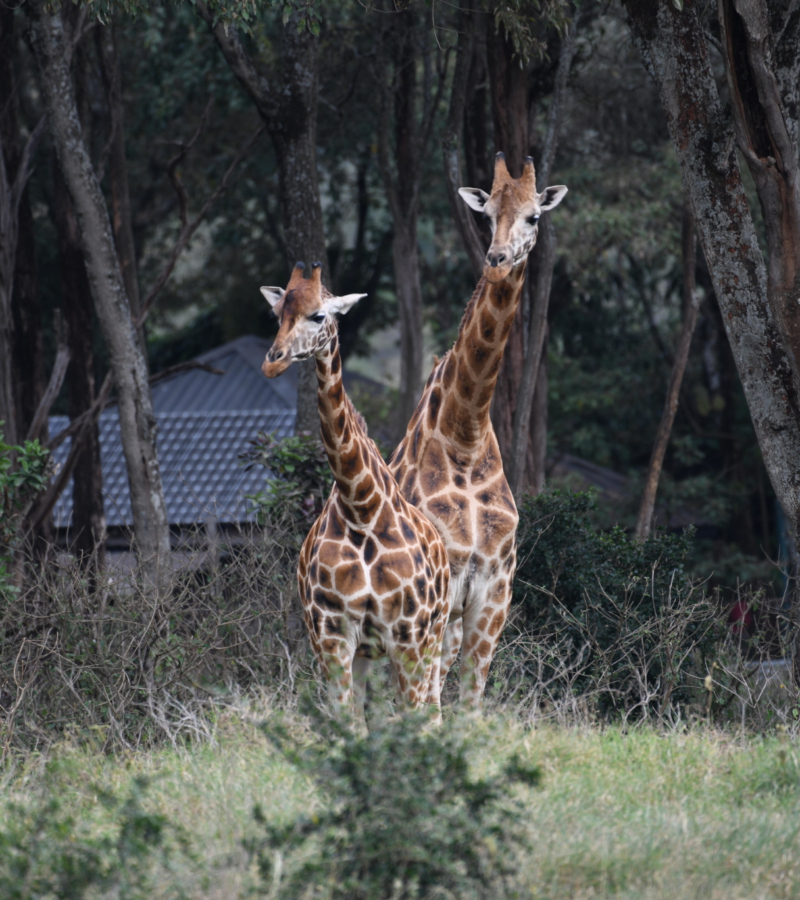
pixel 448 464
pixel 373 572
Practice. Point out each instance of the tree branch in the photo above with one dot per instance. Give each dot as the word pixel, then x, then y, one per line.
pixel 189 228
pixel 56 379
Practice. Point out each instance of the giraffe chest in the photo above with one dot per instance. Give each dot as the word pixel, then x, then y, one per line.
pixel 467 498
pixel 374 590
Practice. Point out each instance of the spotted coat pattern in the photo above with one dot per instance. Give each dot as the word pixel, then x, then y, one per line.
pixel 449 465
pixel 373 573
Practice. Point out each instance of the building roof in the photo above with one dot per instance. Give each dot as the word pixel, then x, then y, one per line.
pixel 204 423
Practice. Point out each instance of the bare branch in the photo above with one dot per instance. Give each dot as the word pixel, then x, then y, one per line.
pixel 56 378
pixel 190 227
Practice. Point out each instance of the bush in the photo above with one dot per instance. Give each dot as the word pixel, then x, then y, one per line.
pixel 24 472
pixel 137 668
pixel 45 851
pixel 402 816
pixel 301 481
pixel 630 624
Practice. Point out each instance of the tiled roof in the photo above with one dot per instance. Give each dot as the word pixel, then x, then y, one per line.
pixel 198 455
pixel 204 423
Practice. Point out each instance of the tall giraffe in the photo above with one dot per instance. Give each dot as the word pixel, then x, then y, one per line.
pixel 373 571
pixel 448 464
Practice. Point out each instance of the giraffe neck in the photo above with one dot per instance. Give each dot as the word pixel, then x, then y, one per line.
pixel 351 453
pixel 472 367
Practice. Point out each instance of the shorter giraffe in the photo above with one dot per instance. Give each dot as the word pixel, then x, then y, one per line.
pixel 373 571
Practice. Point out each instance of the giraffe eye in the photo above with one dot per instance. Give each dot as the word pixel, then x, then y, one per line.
pixel 318 318
pixel 532 220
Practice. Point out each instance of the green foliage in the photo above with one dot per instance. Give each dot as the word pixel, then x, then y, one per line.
pixel 403 815
pixel 46 851
pixel 24 472
pixel 627 610
pixel 302 477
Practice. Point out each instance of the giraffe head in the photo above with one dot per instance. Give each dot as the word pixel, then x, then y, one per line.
pixel 306 311
pixel 513 208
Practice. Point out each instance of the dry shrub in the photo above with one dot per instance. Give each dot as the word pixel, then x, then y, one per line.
pixel 135 666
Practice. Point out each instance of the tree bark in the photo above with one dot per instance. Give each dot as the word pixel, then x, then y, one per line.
pixel 401 163
pixel 451 140
pixel 691 306
pixel 287 103
pixel 121 220
pixel 88 515
pixel 137 420
pixel 509 92
pixel 530 431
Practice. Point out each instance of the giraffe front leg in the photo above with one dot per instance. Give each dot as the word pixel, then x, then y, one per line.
pixel 483 625
pixel 336 660
pixel 453 637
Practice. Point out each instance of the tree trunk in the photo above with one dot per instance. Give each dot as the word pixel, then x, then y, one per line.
pixel 290 113
pixel 451 140
pixel 673 45
pixel 691 306
pixel 118 172
pixel 401 170
pixel 137 420
pixel 509 90
pixel 87 531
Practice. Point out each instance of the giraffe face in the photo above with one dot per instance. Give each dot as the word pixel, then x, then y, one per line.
pixel 513 209
pixel 306 312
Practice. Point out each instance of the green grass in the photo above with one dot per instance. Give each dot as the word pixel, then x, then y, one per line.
pixel 645 814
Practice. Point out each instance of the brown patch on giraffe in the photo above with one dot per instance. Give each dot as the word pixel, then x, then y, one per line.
pixel 410 603
pixel 486 468
pixel 487 325
pixel 496 625
pixel 324 577
pixel 363 488
pixel 328 600
pixel 385 529
pixel 366 511
pixel 350 579
pixel 336 394
pixel 350 462
pixel 453 511
pixel 383 577
pixel 464 381
pixel 334 525
pixel 507 547
pixel 434 403
pixel 407 530
pixel 391 607
pixel 448 372
pixel 493 526
pixel 433 468
pixel 330 554
pixel 401 632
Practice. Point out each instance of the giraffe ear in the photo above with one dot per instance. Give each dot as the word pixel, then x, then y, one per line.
pixel 475 198
pixel 341 305
pixel 552 196
pixel 273 295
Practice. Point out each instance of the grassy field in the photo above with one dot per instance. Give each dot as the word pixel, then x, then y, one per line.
pixel 642 814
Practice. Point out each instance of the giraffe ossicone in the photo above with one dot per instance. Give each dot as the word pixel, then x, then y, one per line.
pixel 373 573
pixel 448 464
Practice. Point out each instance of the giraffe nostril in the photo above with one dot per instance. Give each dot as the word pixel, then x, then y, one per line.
pixel 277 355
pixel 501 258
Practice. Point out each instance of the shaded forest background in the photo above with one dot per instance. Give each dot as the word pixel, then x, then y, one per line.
pixel 616 303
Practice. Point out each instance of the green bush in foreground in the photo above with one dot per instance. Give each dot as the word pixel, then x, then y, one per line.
pixel 46 850
pixel 402 816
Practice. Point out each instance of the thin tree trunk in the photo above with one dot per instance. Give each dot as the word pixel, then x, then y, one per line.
pixel 529 431
pixel 509 92
pixel 121 220
pixel 88 516
pixel 451 141
pixel 289 110
pixel 137 420
pixel 691 306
